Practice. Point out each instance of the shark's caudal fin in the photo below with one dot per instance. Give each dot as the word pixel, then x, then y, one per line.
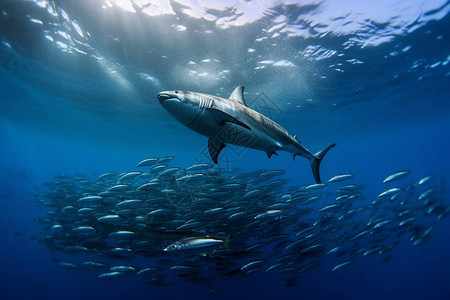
pixel 315 162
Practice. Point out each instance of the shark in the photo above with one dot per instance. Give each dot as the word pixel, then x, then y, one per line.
pixel 231 121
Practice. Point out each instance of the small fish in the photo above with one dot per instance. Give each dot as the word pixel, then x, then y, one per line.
pixel 119 188
pixel 189 225
pixel 332 250
pixel 57 228
pixel 90 199
pixel 311 199
pixel 396 176
pixel 311 265
pixel 427 193
pixel 390 192
pixel 253 265
pixel 315 186
pixel 312 247
pixel 69 265
pixel 253 194
pixel 147 162
pixel 327 207
pixel 199 167
pixel 83 230
pixel 129 175
pixel 443 213
pixel 372 251
pixel 358 235
pixel 69 209
pixel 157 168
pixel 277 265
pixel 381 223
pixel 295 243
pixel 405 222
pixel 279 206
pixel 165 159
pixel 272 173
pixel 185 268
pixel 111 275
pixel 149 186
pixel 121 251
pixel 342 177
pixel 93 265
pixel 107 176
pixel 160 212
pixel 128 203
pixel 237 215
pixel 425 179
pixel 122 234
pixel 149 270
pixel 269 214
pixel 213 211
pixel 110 219
pixel 350 187
pixel 341 265
pixel 194 243
pixel 255 246
pixel 197 177
pixel 85 211
pixel 169 171
pixel 232 186
pixel 124 269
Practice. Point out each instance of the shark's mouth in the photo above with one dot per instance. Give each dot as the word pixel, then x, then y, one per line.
pixel 165 96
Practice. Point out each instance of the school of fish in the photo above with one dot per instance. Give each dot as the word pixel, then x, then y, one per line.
pixel 202 222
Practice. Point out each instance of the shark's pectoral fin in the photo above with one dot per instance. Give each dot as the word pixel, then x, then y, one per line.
pixel 214 147
pixel 269 153
pixel 223 117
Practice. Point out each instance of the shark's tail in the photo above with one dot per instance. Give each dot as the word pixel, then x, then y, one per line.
pixel 315 162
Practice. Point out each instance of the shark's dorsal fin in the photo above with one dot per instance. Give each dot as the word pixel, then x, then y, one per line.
pixel 224 117
pixel 238 95
pixel 214 147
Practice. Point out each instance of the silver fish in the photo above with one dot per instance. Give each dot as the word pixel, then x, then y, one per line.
pixel 396 176
pixel 147 162
pixel 342 177
pixel 194 243
pixel 341 265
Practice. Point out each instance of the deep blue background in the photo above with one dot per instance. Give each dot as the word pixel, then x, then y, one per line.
pixel 64 114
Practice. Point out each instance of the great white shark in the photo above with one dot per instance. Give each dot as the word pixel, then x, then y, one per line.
pixel 231 121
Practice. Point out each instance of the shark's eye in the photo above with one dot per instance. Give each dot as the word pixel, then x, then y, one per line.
pixel 176 92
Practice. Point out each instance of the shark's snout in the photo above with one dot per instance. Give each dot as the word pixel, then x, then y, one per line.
pixel 168 95
pixel 180 105
pixel 164 96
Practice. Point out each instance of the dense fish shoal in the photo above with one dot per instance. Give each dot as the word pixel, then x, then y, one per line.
pixel 202 222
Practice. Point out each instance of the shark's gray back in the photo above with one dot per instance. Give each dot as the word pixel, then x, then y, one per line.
pixel 253 119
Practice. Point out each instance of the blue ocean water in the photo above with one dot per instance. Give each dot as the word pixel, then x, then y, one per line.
pixel 78 96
